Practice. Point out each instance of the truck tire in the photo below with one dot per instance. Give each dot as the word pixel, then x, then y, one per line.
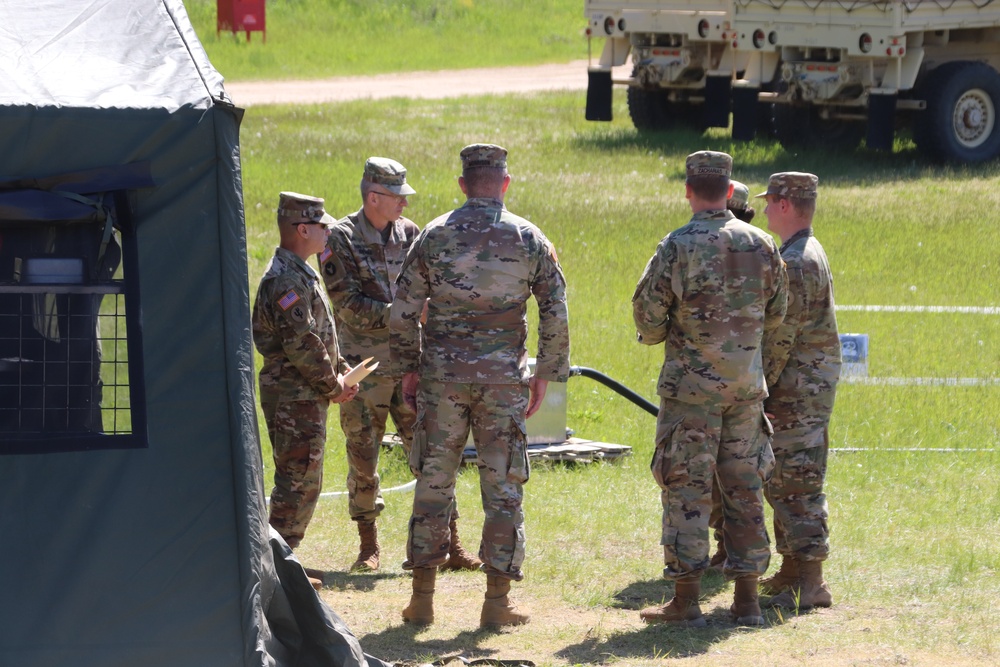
pixel 649 109
pixel 960 123
pixel 798 127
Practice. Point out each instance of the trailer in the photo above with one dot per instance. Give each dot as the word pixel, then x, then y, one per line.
pixel 682 61
pixel 842 71
pixel 831 73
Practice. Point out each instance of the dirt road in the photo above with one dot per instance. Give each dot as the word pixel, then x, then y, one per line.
pixel 428 85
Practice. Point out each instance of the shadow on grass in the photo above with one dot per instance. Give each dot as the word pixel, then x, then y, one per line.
pixel 757 159
pixel 402 643
pixel 659 641
pixel 350 581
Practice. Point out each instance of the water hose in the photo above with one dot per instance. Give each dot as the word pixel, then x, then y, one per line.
pixel 616 386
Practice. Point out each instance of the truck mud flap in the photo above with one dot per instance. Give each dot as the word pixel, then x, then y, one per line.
pixel 746 112
pixel 717 101
pixel 881 121
pixel 599 96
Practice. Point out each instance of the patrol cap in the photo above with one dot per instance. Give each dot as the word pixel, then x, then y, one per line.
pixel 709 163
pixel 794 184
pixel 389 174
pixel 294 207
pixel 741 196
pixel 483 155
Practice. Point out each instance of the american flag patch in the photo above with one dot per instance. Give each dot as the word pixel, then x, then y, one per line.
pixel 325 255
pixel 288 300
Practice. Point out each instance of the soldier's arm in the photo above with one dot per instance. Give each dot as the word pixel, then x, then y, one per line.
pixel 549 290
pixel 654 296
pixel 782 322
pixel 412 290
pixel 302 345
pixel 342 277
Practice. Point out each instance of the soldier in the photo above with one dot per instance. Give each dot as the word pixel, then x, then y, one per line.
pixel 802 363
pixel 476 267
pixel 302 371
pixel 739 204
pixel 360 265
pixel 711 292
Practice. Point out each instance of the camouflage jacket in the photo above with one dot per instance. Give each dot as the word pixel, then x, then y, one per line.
pixel 293 330
pixel 802 359
pixel 712 292
pixel 479 265
pixel 360 268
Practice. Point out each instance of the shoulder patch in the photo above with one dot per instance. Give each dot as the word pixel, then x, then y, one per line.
pixel 326 254
pixel 288 300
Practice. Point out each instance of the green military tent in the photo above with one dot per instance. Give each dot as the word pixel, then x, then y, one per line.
pixel 132 527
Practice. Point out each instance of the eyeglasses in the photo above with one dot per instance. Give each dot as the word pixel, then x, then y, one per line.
pixel 310 222
pixel 398 198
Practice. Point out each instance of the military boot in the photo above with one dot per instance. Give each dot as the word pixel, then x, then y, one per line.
pixel 682 610
pixel 783 579
pixel 421 608
pixel 315 577
pixel 368 554
pixel 459 558
pixel 809 591
pixel 498 610
pixel 746 607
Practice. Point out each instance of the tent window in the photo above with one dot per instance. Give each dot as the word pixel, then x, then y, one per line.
pixel 70 360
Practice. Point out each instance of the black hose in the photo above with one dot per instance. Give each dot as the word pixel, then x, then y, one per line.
pixel 616 386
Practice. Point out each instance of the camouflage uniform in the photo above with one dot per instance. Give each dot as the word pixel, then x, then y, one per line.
pixel 360 266
pixel 478 265
pixel 293 330
pixel 712 292
pixel 802 363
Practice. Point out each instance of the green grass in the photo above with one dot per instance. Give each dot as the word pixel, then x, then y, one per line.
pixel 915 560
pixel 914 568
pixel 322 38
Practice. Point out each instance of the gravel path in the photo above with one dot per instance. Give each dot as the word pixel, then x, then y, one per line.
pixel 427 85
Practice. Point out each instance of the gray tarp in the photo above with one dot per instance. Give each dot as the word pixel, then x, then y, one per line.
pixel 157 555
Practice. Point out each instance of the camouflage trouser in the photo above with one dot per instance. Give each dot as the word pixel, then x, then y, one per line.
pixel 694 444
pixel 363 422
pixel 445 414
pixel 795 492
pixel 298 437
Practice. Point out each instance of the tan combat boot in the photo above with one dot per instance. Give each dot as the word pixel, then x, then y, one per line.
pixel 746 607
pixel 809 591
pixel 315 577
pixel 368 555
pixel 421 608
pixel 682 610
pixel 459 558
pixel 786 576
pixel 498 610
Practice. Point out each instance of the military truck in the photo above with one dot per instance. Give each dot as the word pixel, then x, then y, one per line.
pixel 839 71
pixel 829 73
pixel 681 55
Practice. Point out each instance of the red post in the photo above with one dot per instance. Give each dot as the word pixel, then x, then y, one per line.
pixel 241 15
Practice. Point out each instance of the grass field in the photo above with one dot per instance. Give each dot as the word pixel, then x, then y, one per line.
pixel 308 39
pixel 914 481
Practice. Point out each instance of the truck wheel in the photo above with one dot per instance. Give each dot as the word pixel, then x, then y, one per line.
pixel 649 109
pixel 960 122
pixel 802 127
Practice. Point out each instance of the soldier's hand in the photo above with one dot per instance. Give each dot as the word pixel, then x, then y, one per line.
pixel 409 384
pixel 346 393
pixel 536 394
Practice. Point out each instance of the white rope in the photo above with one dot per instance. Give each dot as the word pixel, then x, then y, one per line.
pixel 970 310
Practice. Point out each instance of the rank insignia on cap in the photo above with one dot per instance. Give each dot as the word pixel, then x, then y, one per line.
pixel 288 300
